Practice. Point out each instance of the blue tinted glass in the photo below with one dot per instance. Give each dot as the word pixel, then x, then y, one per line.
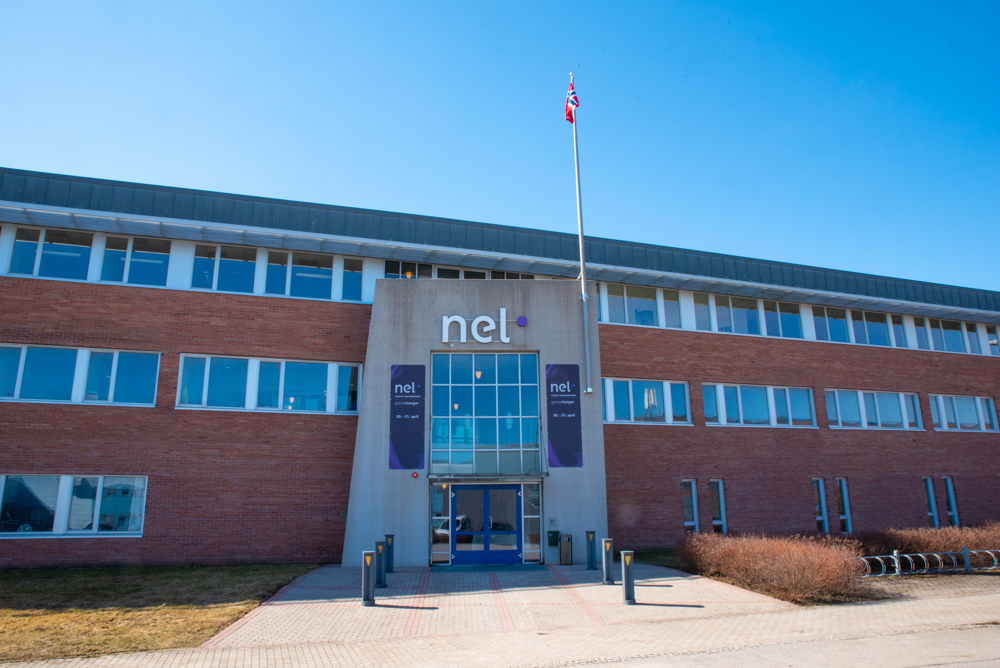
pixel 529 432
pixel 953 336
pixel 836 321
pixel 29 503
pixel 23 261
pixel 621 400
pixel 461 400
pixel 275 283
pixel 114 266
pixel 486 400
pixel 529 369
pixel 819 322
pixel 461 433
pixel 641 306
pixel 236 273
pixel 439 369
pixel 709 403
pixel 267 384
pixel 732 405
pixel 509 432
pixel 486 433
pixel 439 400
pixel 193 380
pixel 439 434
pixel 148 268
pixel 65 254
pixel 791 324
pixel 508 400
pixel 352 285
pixel 647 401
pixel 312 276
pixel 10 359
pixel 858 321
pixel 227 382
pixel 780 407
pixel 678 401
pixel 135 378
pixel 347 388
pixel 529 400
pixel 99 377
pixel 771 319
pixel 204 268
pixel 723 319
pixel 461 369
pixel 507 369
pixel 745 319
pixel 878 329
pixel 48 374
pixel 754 405
pixel 486 369
pixel 850 413
pixel 305 387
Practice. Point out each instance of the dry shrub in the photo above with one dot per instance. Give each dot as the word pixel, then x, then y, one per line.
pixel 796 568
pixel 927 539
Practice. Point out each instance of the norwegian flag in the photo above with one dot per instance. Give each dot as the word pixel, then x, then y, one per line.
pixel 572 102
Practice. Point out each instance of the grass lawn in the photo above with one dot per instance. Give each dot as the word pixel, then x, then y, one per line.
pixel 50 613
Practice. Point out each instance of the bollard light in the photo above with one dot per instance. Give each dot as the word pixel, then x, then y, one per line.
pixel 591 551
pixel 380 564
pixel 628 579
pixel 609 561
pixel 389 552
pixel 367 578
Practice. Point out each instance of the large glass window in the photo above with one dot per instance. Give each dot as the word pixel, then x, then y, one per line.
pixel 80 507
pixel 702 317
pixel 305 387
pixel 347 388
pixel 923 340
pixel 203 273
pixel 115 256
pixel 752 405
pixel 10 362
pixel 947 335
pixel 831 324
pixel 148 261
pixel 874 410
pixel 277 271
pixel 671 309
pixel 237 265
pixel 963 413
pixel 312 275
pixel 352 279
pixel 395 269
pixel 737 315
pixel 29 503
pixel 48 374
pixel 25 251
pixel 484 414
pixel 227 382
pixel 973 338
pixel 992 341
pixel 782 319
pixel 646 401
pixel 66 254
pixel 632 304
pixel 870 328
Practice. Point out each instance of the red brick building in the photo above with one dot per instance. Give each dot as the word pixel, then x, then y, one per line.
pixel 154 342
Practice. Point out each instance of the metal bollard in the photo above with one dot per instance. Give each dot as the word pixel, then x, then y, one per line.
pixel 896 561
pixel 367 578
pixel 609 561
pixel 389 564
pixel 628 579
pixel 380 564
pixel 591 551
pixel 965 557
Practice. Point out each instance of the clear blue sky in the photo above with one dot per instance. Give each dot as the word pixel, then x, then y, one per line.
pixel 859 136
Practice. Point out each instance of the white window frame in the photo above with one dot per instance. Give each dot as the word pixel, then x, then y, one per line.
pixel 718 485
pixel 81 371
pixel 692 484
pixel 723 417
pixel 949 489
pixel 863 410
pixel 939 400
pixel 60 525
pixel 609 401
pixel 819 485
pixel 845 500
pixel 932 512
pixel 253 385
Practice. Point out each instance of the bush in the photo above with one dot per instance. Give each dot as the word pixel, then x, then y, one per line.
pixel 797 569
pixel 927 539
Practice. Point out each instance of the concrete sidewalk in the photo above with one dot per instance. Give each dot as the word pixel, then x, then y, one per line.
pixel 563 616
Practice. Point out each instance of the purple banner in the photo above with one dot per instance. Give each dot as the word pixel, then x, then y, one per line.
pixel 406 417
pixel 565 434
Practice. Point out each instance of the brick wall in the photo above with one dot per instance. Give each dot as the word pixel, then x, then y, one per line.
pixel 768 471
pixel 224 486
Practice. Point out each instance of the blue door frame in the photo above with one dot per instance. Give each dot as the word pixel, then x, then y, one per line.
pixel 485 533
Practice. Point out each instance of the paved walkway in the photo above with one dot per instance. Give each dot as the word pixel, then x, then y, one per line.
pixel 560 616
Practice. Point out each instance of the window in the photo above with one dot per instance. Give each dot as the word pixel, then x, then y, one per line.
pixel 34 505
pixel 923 340
pixel 872 410
pixel 115 256
pixel 949 489
pixel 449 273
pixel 844 506
pixel 753 405
pixel 782 319
pixel 311 276
pixel 736 315
pixel 831 324
pixel 64 253
pixel 932 513
pixel 702 316
pixel 440 524
pixel 241 383
pixel 37 373
pixel 870 328
pixel 484 414
pixel 224 268
pixel 946 335
pixel 276 280
pixel 468 274
pixel 717 495
pixel 395 269
pixel 992 341
pixel 633 305
pixel 963 413
pixel 899 332
pixel 532 511
pixel 671 309
pixel 510 275
pixel 136 261
pixel 352 280
pixel 819 505
pixel 689 497
pixel 663 402
pixel 973 338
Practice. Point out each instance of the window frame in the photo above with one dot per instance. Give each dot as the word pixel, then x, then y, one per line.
pixel 253 385
pixel 39 251
pixel 938 407
pixel 901 398
pixel 607 392
pixel 60 526
pixel 723 417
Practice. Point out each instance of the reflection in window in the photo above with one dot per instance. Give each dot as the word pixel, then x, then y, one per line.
pixel 122 501
pixel 992 341
pixel 963 413
pixel 237 265
pixel 148 262
pixel 736 315
pixel 66 254
pixel 48 374
pixel 750 405
pixel 25 251
pixel 883 410
pixel 312 275
pixel 831 324
pixel 29 503
pixel 115 254
pixel 227 382
pixel 782 319
pixel 645 401
pixel 394 269
pixel 305 386
pixel 347 388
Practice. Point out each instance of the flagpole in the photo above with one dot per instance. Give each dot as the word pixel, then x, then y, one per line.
pixel 583 266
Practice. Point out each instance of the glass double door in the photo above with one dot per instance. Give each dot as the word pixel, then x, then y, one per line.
pixel 487 521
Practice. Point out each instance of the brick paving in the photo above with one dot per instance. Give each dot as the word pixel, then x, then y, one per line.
pixel 554 616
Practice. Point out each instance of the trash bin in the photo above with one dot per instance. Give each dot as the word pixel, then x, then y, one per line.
pixel 565 550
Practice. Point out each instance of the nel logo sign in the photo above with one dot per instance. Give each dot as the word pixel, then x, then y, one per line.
pixel 481 327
